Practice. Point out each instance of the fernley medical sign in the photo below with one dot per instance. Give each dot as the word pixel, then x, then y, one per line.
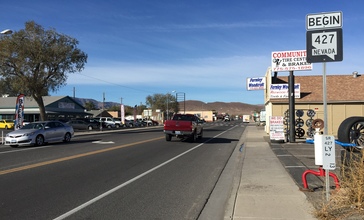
pixel 290 61
pixel 324 37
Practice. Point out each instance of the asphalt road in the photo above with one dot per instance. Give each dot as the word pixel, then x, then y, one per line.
pixel 124 174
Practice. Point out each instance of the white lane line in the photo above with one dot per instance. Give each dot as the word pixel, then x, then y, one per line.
pixel 65 215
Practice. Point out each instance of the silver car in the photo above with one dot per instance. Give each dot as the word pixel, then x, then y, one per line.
pixel 38 133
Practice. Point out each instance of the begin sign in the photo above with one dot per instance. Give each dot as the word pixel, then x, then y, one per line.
pixel 326 20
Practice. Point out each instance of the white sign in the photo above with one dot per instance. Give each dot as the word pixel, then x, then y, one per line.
pixel 326 20
pixel 280 91
pixel 328 152
pixel 276 128
pixel 255 83
pixel 290 61
pixel 325 44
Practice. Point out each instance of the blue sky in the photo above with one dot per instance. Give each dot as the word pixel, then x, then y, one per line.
pixel 204 48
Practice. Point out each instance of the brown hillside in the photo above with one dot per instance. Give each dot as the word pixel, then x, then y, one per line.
pixel 231 108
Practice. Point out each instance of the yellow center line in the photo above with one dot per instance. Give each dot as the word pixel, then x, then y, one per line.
pixel 73 157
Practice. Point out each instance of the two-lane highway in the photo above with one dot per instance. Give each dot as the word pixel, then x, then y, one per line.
pixel 126 174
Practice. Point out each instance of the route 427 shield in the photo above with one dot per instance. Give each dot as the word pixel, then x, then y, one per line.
pixel 324 45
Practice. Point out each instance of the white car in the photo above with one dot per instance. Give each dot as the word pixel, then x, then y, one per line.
pixel 109 122
pixel 39 133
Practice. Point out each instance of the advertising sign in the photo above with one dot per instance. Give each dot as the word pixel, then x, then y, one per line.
pixel 290 61
pixel 276 128
pixel 257 83
pixel 280 91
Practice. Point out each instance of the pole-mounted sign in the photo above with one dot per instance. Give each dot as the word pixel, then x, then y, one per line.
pixel 324 37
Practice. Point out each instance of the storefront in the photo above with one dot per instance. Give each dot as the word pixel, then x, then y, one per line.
pixel 57 108
pixel 343 98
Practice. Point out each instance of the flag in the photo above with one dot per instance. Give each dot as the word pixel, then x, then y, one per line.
pixel 19 112
pixel 122 114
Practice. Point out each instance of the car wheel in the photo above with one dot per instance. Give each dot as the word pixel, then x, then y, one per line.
pixel 117 125
pixel 108 126
pixel 90 128
pixel 193 138
pixel 200 135
pixel 168 137
pixel 351 131
pixel 39 140
pixel 67 137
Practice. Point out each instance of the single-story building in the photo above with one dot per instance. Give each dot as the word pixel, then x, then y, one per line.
pixel 343 98
pixel 207 115
pixel 57 108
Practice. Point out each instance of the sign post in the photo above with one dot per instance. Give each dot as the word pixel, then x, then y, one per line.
pixel 324 43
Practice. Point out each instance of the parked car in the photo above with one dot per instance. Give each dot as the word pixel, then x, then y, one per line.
pixel 95 123
pixel 83 124
pixel 150 122
pixel 128 123
pixel 117 122
pixel 39 133
pixel 109 122
pixel 6 124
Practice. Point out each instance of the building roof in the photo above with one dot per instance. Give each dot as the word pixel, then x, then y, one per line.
pixel 339 88
pixel 29 102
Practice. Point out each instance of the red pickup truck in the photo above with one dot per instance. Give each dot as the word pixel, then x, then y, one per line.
pixel 183 126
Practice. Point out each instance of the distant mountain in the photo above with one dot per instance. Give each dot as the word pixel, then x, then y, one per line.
pixel 98 104
pixel 232 108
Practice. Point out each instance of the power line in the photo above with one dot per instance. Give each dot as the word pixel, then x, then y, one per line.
pixel 142 90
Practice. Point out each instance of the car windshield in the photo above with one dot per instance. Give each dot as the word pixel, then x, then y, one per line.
pixel 34 126
pixel 9 121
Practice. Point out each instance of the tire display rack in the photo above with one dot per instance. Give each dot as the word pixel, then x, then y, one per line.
pixel 311 123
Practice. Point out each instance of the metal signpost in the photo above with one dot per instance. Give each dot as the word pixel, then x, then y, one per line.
pixel 324 43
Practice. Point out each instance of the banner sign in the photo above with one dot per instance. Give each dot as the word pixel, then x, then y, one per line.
pixel 280 91
pixel 257 83
pixel 19 112
pixel 122 114
pixel 290 61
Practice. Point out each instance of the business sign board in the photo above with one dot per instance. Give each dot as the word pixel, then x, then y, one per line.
pixel 257 83
pixel 325 20
pixel 290 61
pixel 276 128
pixel 280 91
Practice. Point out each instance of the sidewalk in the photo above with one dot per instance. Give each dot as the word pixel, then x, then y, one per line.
pixel 266 190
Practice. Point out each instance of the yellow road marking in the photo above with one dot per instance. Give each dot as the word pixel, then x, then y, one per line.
pixel 72 157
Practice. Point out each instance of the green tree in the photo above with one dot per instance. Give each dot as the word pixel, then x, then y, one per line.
pixel 163 102
pixel 90 106
pixel 35 61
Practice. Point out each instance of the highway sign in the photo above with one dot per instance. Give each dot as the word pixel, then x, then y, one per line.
pixel 326 20
pixel 324 45
pixel 328 152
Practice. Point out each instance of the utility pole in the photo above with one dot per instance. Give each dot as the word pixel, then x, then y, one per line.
pixel 102 111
